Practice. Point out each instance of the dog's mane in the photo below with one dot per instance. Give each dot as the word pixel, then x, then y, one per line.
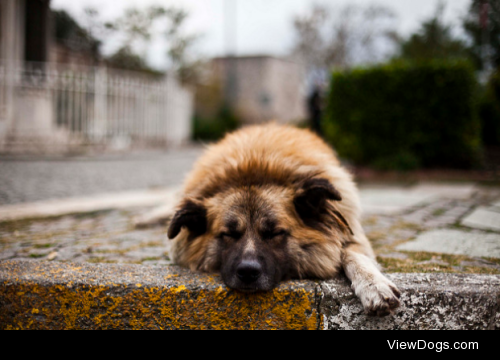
pixel 259 156
pixel 253 173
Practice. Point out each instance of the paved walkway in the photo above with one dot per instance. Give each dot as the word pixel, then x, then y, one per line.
pixel 27 181
pixel 425 228
pixel 428 228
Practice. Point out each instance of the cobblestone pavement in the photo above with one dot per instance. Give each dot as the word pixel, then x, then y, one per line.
pixel 393 237
pixel 102 237
pixel 35 180
pixel 109 237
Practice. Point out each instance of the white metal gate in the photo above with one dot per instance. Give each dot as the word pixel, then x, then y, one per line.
pixel 98 105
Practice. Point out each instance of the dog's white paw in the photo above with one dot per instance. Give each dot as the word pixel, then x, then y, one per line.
pixel 379 297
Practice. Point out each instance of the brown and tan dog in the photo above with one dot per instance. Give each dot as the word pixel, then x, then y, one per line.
pixel 270 203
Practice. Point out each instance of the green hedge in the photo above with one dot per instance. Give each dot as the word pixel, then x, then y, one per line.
pixel 215 129
pixel 403 117
pixel 489 111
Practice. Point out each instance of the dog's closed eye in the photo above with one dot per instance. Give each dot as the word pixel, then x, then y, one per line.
pixel 231 235
pixel 269 235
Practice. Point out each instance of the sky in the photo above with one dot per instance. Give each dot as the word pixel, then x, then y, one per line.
pixel 262 26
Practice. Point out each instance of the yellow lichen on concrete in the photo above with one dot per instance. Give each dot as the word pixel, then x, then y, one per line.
pixel 121 307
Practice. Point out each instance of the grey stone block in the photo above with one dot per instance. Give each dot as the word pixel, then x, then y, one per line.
pixel 437 302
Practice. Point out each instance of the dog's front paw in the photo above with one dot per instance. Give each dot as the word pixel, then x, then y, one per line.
pixel 379 297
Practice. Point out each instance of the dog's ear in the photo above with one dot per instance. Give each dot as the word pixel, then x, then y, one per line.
pixel 191 215
pixel 311 198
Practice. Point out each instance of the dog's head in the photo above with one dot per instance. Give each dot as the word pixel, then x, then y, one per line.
pixel 259 236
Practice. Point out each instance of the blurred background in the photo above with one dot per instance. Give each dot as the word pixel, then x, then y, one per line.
pixel 393 85
pixel 106 105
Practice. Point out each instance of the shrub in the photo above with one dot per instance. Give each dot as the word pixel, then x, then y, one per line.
pixel 489 111
pixel 403 116
pixel 211 129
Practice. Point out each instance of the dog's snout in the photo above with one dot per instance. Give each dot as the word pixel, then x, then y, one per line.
pixel 249 271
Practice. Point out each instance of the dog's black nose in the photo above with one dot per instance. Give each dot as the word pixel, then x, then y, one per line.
pixel 249 271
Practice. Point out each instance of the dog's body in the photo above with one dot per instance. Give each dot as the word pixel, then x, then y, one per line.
pixel 270 203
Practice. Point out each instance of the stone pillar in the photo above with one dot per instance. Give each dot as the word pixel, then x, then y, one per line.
pixel 12 32
pixel 29 112
pixel 100 121
pixel 11 56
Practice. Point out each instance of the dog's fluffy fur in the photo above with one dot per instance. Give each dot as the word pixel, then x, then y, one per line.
pixel 277 196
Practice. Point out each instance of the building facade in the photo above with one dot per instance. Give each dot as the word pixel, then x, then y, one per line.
pixel 24 37
pixel 263 88
pixel 53 97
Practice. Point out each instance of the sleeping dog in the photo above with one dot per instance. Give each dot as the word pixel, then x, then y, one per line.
pixel 271 203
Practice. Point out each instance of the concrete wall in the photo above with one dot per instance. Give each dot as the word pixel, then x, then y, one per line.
pixel 267 88
pixel 286 83
pixel 33 115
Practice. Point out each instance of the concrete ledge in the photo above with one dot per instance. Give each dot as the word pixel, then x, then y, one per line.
pixel 429 302
pixel 40 295
pixel 36 295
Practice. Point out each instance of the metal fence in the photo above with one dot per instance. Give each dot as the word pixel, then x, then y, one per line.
pixel 92 105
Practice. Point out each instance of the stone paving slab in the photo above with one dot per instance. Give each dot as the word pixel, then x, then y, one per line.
pixel 448 191
pixel 85 296
pixel 495 209
pixel 455 242
pixel 483 218
pixel 55 208
pixel 390 201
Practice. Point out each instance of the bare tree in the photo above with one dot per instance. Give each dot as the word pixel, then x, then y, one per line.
pixel 180 51
pixel 340 38
pixel 136 28
pixel 93 24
